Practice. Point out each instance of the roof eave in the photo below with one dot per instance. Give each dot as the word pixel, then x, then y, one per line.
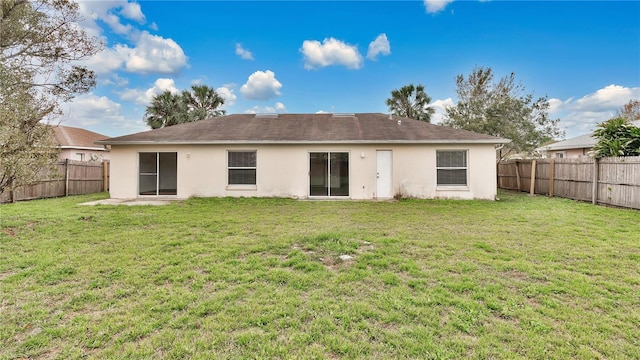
pixel 82 147
pixel 302 142
pixel 580 146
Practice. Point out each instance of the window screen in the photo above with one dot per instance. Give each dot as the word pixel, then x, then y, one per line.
pixel 451 168
pixel 242 167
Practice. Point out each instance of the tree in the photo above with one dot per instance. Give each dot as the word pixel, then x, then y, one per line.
pixel 501 109
pixel 617 137
pixel 169 108
pixel 40 44
pixel 412 102
pixel 630 110
pixel 203 102
pixel 166 109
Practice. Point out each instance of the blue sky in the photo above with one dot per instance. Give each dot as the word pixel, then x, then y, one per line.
pixel 347 56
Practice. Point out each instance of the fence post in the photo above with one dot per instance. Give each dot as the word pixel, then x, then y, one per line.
pixel 533 178
pixel 518 176
pixel 105 175
pixel 594 188
pixel 552 167
pixel 66 177
pixel 12 193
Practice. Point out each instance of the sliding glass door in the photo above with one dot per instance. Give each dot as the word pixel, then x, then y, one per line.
pixel 328 174
pixel 158 173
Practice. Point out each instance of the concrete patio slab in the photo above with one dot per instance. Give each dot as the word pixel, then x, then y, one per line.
pixel 131 202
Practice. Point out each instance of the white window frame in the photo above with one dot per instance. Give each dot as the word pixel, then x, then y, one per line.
pixel 465 168
pixel 255 168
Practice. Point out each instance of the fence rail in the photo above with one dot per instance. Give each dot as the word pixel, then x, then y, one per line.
pixel 64 178
pixel 611 181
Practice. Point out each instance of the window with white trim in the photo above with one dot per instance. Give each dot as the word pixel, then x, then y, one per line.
pixel 451 167
pixel 241 167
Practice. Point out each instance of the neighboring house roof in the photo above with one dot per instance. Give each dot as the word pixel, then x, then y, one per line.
pixel 76 138
pixel 579 142
pixel 305 128
pixel 586 141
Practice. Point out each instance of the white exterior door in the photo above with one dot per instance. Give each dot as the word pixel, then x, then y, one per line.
pixel 384 183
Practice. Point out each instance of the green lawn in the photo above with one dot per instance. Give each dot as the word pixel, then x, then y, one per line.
pixel 523 277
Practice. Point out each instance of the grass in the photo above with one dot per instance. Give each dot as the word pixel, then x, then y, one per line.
pixel 523 277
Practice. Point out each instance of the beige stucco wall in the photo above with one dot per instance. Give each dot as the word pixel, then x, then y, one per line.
pixel 574 153
pixel 283 170
pixel 89 155
pixel 570 153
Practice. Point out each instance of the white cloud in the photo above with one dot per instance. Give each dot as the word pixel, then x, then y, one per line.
pixel 261 85
pixel 114 23
pixel 277 108
pixel 105 61
pixel 106 12
pixel 144 97
pixel 82 108
pixel 581 116
pixel 153 53
pixel 330 52
pixel 162 85
pixel 85 8
pixel 440 107
pixel 243 53
pixel 91 111
pixel 143 53
pixel 379 46
pixel 114 80
pixel 227 93
pixel 280 107
pixel 434 6
pixel 133 11
pixel 153 26
pixel 556 104
pixel 322 112
pixel 612 96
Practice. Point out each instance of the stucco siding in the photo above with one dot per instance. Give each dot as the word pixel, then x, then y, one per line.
pixel 283 170
pixel 575 153
pixel 89 155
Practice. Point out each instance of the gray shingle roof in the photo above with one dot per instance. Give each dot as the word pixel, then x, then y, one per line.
pixel 73 137
pixel 579 142
pixel 305 128
pixel 586 141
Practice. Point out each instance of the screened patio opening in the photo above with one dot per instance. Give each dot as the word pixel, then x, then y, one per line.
pixel 328 174
pixel 158 173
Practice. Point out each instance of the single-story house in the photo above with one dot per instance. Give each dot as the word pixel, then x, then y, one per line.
pixel 571 148
pixel 79 144
pixel 579 146
pixel 355 156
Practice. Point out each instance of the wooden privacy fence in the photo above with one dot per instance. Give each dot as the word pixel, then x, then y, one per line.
pixel 612 181
pixel 69 177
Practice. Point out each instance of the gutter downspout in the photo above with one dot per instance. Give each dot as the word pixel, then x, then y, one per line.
pixel 497 172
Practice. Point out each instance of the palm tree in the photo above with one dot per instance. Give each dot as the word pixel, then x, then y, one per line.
pixel 412 102
pixel 165 110
pixel 169 109
pixel 202 102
